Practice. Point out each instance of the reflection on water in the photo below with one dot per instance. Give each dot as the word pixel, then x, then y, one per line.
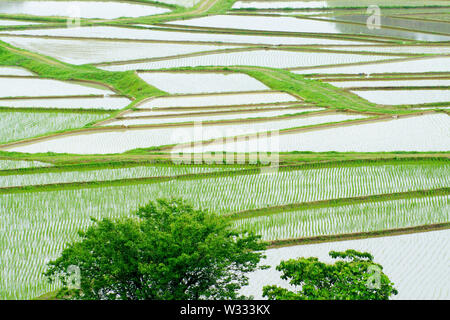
pixel 86 9
pixel 277 4
pixel 293 24
pixel 183 3
pixel 419 25
pixel 394 22
pixel 384 32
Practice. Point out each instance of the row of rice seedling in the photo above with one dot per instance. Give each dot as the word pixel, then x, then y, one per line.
pixel 258 191
pixel 37 87
pixel 118 141
pixel 263 58
pixel 35 226
pixel 361 217
pixel 18 164
pixel 20 125
pixel 104 174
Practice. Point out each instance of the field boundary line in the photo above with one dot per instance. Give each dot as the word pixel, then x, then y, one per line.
pixel 338 202
pixel 189 176
pixel 359 235
pixel 309 128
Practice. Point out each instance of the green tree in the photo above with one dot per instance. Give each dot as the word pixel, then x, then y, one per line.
pixel 169 251
pixel 354 277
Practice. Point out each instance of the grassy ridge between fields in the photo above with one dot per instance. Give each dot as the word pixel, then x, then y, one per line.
pixel 124 83
pixel 285 158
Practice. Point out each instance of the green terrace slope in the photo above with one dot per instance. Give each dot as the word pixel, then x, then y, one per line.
pixel 124 83
pixel 312 91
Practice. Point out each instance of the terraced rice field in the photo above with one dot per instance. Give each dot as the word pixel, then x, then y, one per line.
pixel 291 24
pixel 14 22
pixel 264 58
pixel 393 253
pixel 19 164
pixel 126 121
pixel 14 87
pixel 404 96
pixel 191 83
pixel 195 101
pixel 211 110
pixel 102 103
pixel 326 4
pixel 13 71
pixel 100 51
pixel 393 134
pixel 98 175
pixel 93 9
pixel 425 65
pixel 19 125
pixel 142 34
pixel 415 49
pixel 361 217
pixel 308 125
pixel 108 141
pixel 59 217
pixel 392 83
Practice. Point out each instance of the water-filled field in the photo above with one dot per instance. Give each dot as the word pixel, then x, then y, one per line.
pixel 361 217
pixel 291 24
pixel 14 87
pixel 20 125
pixel 425 65
pixel 106 103
pixel 264 58
pixel 392 83
pixel 209 117
pixel 397 255
pixel 184 82
pixel 180 111
pixel 301 121
pixel 415 49
pixel 4 22
pixel 218 100
pixel 91 9
pixel 405 96
pixel 13 71
pixel 18 164
pixel 141 33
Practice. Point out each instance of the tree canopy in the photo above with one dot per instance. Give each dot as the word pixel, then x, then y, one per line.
pixel 353 277
pixel 169 251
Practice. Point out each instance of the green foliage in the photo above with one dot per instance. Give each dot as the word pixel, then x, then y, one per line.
pixel 354 277
pixel 171 251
